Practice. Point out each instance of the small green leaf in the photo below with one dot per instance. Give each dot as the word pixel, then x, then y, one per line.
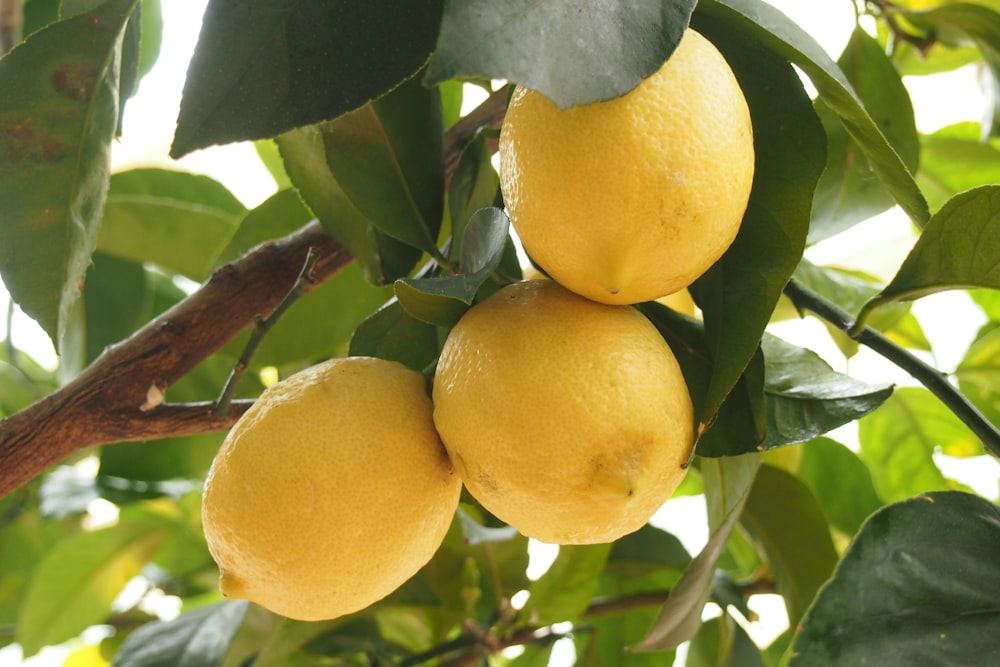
pixel 899 439
pixel 806 398
pixel 442 300
pixel 739 293
pixel 728 484
pixel 959 248
pixel 784 517
pixel 849 190
pixel 392 333
pixel 473 186
pixel 564 592
pixel 722 642
pixel 841 483
pixel 323 58
pixel 955 159
pixel 196 639
pixel 74 586
pixel 388 159
pixel 58 115
pixel 916 587
pixel 572 52
pixel 176 220
pixel 774 30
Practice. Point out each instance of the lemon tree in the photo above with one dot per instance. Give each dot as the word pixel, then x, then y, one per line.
pixel 329 423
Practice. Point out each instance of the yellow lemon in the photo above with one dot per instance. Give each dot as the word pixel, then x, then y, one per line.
pixel 331 491
pixel 566 418
pixel 634 198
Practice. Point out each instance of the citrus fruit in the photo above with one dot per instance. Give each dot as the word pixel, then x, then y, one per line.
pixel 633 198
pixel 566 418
pixel 331 491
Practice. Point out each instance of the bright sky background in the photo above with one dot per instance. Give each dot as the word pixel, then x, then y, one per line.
pixel 950 319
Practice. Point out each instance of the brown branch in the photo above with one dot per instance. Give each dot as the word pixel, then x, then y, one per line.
pixel 118 397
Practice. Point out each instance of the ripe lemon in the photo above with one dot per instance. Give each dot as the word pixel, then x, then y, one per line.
pixel 632 199
pixel 331 491
pixel 566 418
pixel 681 300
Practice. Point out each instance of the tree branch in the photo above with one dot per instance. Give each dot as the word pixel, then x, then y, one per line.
pixel 119 396
pixel 936 381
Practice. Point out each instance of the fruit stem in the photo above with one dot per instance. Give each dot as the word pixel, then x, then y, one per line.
pixel 933 379
pixel 262 325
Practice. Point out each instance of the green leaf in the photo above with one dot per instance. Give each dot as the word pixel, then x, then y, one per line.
pixel 116 301
pixel 959 248
pixel 75 584
pixel 978 373
pixel 955 159
pixel 564 592
pixel 392 333
pixel 442 300
pixel 572 52
pixel 784 517
pixel 24 540
pixel 899 439
pixel 849 190
pixel 721 642
pixel 58 114
pixel 176 220
pixel 841 483
pixel 260 70
pixel 473 186
pixel 806 398
pixel 739 293
pixel 196 639
pixel 388 158
pixel 774 30
pixel 382 257
pixel 728 483
pixel 916 587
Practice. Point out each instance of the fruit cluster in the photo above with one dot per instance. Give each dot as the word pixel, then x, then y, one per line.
pixel 558 406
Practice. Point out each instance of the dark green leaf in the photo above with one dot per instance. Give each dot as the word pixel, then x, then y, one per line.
pixel 572 52
pixel 721 642
pixel 260 70
pixel 784 517
pixel 955 159
pixel 776 31
pixel 383 258
pixel 74 586
pixel 176 220
pixel 739 293
pixel 728 483
pixel 388 159
pixel 959 248
pixel 806 398
pixel 648 547
pixel 840 481
pixel 564 592
pixel 116 301
pixel 196 639
pixel 473 186
pixel 849 190
pixel 917 587
pixel 392 333
pixel 443 300
pixel 899 439
pixel 58 114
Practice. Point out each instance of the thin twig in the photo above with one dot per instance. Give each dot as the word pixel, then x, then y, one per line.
pixel 262 325
pixel 933 379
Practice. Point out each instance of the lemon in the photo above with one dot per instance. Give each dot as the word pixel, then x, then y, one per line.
pixel 566 418
pixel 331 491
pixel 633 198
pixel 681 300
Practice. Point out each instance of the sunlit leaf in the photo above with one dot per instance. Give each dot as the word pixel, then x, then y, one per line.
pixel 260 70
pixel 58 114
pixel 785 518
pixel 959 248
pixel 978 374
pixel 75 584
pixel 840 481
pixel 955 159
pixel 572 52
pixel 917 587
pixel 899 439
pixel 197 639
pixel 565 590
